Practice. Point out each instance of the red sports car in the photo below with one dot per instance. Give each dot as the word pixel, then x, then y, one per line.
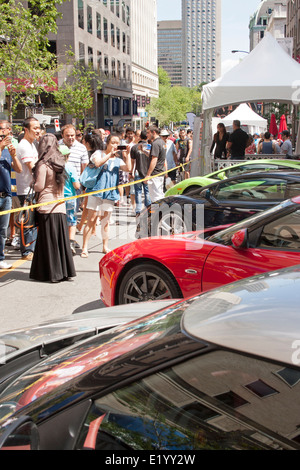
pixel 186 265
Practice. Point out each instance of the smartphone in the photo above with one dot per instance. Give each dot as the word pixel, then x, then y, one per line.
pixel 122 147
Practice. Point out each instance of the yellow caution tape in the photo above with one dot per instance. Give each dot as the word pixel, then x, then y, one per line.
pixel 61 201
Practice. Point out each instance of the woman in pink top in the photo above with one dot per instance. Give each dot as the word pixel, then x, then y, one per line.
pixel 53 260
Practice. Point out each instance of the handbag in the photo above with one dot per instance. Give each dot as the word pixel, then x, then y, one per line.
pixel 89 176
pixel 27 218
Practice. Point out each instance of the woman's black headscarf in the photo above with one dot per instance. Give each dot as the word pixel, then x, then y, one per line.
pixel 49 154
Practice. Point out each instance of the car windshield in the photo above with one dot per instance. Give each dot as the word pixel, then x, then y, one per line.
pixel 224 236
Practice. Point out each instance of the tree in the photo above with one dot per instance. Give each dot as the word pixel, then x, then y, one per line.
pixel 76 95
pixel 173 103
pixel 26 65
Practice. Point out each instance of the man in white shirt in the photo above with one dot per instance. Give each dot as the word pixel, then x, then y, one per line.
pixel 78 157
pixel 28 156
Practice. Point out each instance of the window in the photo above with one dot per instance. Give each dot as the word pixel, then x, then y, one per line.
pixel 261 389
pixel 247 190
pixel 99 61
pixel 124 43
pixel 80 14
pixel 220 400
pixel 89 20
pixel 112 34
pixel 105 29
pixel 90 56
pixel 81 53
pixel 283 233
pixel 106 71
pixel 118 36
pixel 98 20
pixel 113 67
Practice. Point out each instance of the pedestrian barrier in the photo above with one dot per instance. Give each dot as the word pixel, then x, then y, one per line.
pixel 61 201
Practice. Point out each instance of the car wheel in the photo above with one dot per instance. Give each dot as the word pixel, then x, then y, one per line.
pixel 169 222
pixel 147 282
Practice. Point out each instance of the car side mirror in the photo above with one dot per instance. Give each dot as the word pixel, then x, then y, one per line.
pixel 206 194
pixel 21 434
pixel 222 175
pixel 240 239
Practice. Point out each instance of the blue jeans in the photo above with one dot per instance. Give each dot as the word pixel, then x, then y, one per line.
pixel 29 236
pixel 5 205
pixel 138 194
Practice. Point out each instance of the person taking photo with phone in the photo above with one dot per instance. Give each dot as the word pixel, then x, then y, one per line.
pixel 102 204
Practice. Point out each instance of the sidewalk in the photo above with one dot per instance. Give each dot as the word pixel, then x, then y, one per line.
pixel 25 302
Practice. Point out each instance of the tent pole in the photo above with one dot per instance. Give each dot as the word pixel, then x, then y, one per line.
pixel 206 142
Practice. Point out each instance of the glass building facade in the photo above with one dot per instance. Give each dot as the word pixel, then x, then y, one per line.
pixel 169 35
pixel 201 35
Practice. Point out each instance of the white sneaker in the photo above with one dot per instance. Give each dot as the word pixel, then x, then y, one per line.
pixel 5 265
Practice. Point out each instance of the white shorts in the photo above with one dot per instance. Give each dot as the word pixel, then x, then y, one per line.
pixel 156 188
pixel 100 205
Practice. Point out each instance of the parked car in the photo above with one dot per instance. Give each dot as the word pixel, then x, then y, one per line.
pixel 189 185
pixel 184 265
pixel 225 202
pixel 217 372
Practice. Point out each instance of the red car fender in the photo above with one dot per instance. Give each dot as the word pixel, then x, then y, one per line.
pixel 184 258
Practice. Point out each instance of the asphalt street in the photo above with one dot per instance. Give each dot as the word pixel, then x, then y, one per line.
pixel 25 302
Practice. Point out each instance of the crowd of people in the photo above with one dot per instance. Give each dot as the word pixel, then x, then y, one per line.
pixel 46 169
pixel 238 144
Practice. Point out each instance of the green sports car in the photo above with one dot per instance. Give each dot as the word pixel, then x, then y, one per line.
pixel 191 184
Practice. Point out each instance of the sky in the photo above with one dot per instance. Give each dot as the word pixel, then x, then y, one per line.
pixel 235 25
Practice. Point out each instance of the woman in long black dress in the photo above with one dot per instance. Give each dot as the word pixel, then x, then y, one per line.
pixel 220 140
pixel 52 260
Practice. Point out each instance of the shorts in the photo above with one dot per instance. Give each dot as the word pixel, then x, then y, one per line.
pixel 71 212
pixel 100 205
pixel 172 175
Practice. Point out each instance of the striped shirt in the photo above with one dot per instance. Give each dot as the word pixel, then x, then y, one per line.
pixel 78 156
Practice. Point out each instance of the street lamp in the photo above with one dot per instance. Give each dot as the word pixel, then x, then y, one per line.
pixel 244 52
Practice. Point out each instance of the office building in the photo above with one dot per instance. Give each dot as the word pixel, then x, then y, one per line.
pixel 270 16
pixel 169 36
pixel 98 33
pixel 145 84
pixel 293 26
pixel 201 34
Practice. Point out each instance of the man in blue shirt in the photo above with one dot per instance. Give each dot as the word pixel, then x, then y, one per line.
pixel 8 160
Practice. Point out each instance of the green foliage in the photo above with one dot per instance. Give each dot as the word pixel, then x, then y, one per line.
pixel 173 103
pixel 26 65
pixel 76 95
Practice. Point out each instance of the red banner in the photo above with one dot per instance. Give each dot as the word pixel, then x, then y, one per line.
pixel 24 84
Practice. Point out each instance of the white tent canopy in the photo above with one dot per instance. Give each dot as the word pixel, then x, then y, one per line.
pixel 267 74
pixel 248 118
